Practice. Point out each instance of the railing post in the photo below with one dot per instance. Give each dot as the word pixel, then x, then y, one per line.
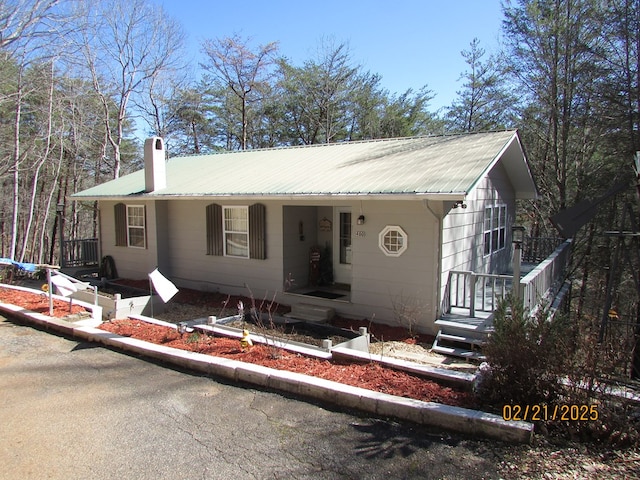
pixel 517 260
pixel 472 294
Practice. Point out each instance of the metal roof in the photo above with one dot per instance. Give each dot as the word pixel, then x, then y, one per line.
pixel 446 167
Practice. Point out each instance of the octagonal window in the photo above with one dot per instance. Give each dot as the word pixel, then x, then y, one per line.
pixel 393 240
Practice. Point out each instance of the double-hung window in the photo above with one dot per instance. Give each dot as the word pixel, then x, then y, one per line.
pixel 135 226
pixel 130 228
pixel 495 228
pixel 236 231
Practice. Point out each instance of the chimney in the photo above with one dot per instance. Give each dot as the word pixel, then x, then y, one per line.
pixel 155 170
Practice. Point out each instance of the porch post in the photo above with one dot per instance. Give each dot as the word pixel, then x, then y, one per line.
pixel 517 260
pixel 517 238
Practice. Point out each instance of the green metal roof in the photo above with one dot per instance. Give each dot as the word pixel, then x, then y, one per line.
pixel 446 167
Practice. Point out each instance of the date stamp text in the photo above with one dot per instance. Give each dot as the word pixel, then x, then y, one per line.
pixel 542 412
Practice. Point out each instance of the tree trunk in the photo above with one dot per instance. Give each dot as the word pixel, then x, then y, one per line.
pixel 16 170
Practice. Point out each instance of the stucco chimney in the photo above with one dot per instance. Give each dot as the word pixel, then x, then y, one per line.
pixel 155 170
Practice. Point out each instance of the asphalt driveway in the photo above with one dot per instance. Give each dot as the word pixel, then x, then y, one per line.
pixel 75 410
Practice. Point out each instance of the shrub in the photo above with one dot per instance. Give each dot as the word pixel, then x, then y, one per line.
pixel 527 356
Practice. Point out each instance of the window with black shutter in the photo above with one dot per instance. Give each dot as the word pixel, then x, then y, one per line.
pixel 236 231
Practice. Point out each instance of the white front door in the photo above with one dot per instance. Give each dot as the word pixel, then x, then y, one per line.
pixel 342 245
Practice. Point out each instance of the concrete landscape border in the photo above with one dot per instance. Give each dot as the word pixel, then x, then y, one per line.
pixel 462 420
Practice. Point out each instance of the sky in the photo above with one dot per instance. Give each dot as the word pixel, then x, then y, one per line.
pixel 410 43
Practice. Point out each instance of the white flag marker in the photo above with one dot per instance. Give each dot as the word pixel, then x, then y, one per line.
pixel 165 288
pixel 64 286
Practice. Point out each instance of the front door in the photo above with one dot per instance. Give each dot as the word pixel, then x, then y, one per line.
pixel 342 245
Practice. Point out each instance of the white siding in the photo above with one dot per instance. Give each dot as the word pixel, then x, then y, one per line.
pixel 192 267
pixel 376 278
pixel 462 235
pixel 130 262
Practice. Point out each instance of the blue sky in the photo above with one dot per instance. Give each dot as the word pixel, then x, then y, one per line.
pixel 410 43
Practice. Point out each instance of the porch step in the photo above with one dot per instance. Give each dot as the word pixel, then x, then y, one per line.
pixel 470 324
pixel 458 352
pixel 457 341
pixel 311 313
pixel 460 339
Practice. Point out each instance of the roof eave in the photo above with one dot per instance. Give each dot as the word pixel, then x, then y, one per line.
pixel 520 176
pixel 441 196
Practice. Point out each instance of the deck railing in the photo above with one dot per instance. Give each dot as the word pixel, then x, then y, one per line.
pixel 537 249
pixel 480 292
pixel 476 291
pixel 541 283
pixel 79 253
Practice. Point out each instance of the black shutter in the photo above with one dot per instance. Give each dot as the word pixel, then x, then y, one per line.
pixel 120 217
pixel 214 230
pixel 257 231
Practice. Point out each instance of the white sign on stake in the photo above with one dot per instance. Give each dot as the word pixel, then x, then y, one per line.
pixel 64 286
pixel 165 288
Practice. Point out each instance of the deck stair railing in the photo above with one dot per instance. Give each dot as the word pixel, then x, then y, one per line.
pixel 471 297
pixel 481 291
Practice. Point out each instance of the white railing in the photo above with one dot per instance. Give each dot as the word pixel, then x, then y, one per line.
pixel 480 292
pixel 542 283
pixel 476 291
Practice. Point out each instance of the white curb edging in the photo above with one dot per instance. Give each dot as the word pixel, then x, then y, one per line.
pixel 458 419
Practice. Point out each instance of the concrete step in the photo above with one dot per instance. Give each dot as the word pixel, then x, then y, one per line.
pixel 311 313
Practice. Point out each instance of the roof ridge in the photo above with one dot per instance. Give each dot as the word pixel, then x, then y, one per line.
pixel 346 142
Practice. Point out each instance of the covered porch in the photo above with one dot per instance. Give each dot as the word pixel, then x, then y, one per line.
pixel 317 253
pixel 471 298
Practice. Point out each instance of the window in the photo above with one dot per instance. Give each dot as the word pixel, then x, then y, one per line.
pixel 130 228
pixel 236 231
pixel 135 226
pixel 495 228
pixel 393 241
pixel 345 238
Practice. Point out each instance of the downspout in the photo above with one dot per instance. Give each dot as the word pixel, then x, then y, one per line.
pixel 438 282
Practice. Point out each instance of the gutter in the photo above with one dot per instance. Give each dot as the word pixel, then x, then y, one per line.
pixel 438 280
pixel 311 197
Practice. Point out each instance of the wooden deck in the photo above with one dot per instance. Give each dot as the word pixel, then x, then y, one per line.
pixel 472 298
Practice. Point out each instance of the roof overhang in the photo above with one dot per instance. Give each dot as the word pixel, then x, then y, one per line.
pixel 306 197
pixel 514 160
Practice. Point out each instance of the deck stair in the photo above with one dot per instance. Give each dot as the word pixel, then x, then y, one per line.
pixel 462 337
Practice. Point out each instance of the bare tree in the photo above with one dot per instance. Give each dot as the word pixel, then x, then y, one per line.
pixel 242 70
pixel 319 94
pixel 126 43
pixel 20 19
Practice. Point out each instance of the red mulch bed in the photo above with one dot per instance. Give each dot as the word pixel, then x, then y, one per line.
pixel 38 302
pixel 214 300
pixel 371 376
